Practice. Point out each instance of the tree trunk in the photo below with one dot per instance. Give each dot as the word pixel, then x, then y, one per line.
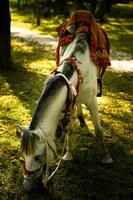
pixel 93 6
pixel 18 4
pixel 38 12
pixel 5 36
pixel 104 8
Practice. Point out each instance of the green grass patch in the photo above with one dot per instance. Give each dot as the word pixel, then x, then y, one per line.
pixel 119 27
pixel 120 33
pixel 84 178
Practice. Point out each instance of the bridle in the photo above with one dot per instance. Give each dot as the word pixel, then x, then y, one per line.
pixel 33 175
pixel 72 94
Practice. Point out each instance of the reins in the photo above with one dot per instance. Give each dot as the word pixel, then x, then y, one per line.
pixel 72 93
pixel 46 177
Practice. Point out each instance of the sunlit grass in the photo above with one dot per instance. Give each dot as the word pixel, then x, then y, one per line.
pixel 120 27
pixel 120 33
pixel 84 178
pixel 40 60
pixel 20 91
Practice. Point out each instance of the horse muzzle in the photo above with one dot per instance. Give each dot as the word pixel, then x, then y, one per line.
pixel 36 184
pixel 32 179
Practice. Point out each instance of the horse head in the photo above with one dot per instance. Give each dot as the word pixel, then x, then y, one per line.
pixel 36 156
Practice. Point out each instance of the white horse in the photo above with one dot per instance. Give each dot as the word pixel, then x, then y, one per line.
pixel 37 143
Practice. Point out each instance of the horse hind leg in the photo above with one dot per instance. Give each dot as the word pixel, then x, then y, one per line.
pixel 80 115
pixel 93 108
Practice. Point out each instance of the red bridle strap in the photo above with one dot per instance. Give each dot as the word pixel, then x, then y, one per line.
pixel 74 62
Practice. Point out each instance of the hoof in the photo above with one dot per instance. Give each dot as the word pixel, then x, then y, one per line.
pixel 68 156
pixel 107 160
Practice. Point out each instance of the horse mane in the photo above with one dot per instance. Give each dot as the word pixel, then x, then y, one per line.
pixel 55 83
pixel 81 43
pixel 51 88
pixel 28 142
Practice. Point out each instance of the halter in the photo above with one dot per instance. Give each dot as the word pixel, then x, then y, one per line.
pixel 33 175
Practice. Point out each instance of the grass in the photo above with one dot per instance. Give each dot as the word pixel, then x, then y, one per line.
pixel 120 27
pixel 122 41
pixel 84 178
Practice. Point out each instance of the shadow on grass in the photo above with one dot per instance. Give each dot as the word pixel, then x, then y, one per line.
pixel 85 178
pixel 117 111
pixel 25 85
pixel 31 51
pixel 12 186
pixel 118 84
pixel 24 81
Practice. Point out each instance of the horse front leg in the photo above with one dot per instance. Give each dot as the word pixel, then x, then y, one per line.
pixel 68 155
pixel 93 108
pixel 80 115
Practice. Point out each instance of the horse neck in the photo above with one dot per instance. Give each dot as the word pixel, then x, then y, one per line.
pixel 50 117
pixel 69 51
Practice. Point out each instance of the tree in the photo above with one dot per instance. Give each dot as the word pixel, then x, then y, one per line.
pixel 5 36
pixel 98 7
pixel 104 8
pixel 38 8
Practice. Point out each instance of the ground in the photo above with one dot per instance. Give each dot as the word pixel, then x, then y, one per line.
pixel 84 178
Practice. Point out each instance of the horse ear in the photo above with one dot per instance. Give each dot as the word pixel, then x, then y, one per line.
pixel 21 130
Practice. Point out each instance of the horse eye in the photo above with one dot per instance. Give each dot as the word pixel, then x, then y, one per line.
pixel 38 158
